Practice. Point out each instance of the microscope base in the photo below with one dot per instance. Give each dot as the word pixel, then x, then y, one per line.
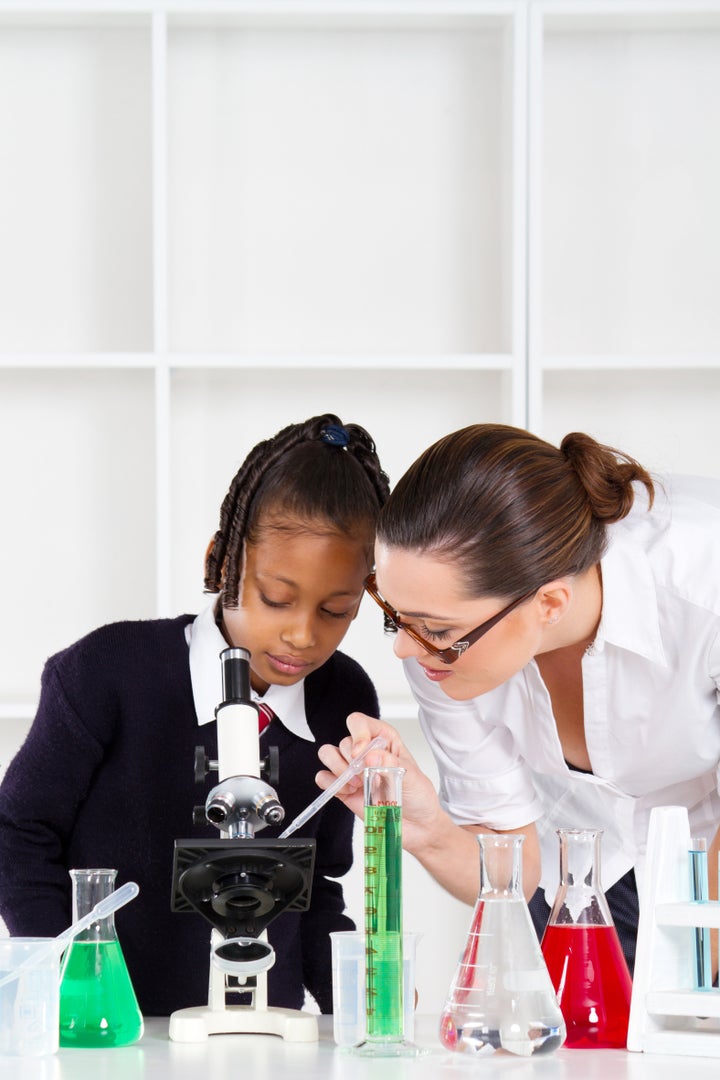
pixel 197 1023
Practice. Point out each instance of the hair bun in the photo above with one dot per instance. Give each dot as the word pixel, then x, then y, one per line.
pixel 606 474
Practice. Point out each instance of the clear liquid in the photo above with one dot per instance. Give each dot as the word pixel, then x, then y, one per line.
pixel 502 997
pixel 98 1006
pixel 383 922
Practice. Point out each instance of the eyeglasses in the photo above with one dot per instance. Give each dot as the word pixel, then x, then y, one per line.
pixel 393 622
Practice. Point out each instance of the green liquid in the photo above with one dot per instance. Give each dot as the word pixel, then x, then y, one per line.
pixel 383 922
pixel 98 1006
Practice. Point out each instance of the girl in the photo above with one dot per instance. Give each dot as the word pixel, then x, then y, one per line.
pixel 558 617
pixel 105 776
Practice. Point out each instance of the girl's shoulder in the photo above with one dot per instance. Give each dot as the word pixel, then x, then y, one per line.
pixel 341 686
pixel 126 643
pixel 340 667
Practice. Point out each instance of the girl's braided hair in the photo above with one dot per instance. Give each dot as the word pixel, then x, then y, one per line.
pixel 316 471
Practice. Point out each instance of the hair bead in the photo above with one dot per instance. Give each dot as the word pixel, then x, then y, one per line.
pixel 335 435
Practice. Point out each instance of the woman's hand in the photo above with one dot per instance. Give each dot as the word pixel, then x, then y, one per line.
pixel 422 815
pixel 447 851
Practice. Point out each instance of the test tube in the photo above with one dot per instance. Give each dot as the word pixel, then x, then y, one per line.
pixel 383 903
pixel 383 915
pixel 699 894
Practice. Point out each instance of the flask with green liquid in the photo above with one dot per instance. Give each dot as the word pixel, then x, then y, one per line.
pixel 98 1006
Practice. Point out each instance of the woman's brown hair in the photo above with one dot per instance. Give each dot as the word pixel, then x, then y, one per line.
pixel 511 510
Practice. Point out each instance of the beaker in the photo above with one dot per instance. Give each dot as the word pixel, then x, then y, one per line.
pixel 501 997
pixel 348 985
pixel 29 969
pixel 385 1036
pixel 582 949
pixel 98 1006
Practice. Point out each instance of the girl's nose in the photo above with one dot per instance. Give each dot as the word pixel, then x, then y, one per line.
pixel 300 632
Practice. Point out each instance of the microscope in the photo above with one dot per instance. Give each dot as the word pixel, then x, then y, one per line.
pixel 237 883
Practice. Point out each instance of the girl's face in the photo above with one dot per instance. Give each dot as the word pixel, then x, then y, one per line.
pixel 299 592
pixel 428 595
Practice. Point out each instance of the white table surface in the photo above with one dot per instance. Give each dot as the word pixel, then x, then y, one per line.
pixel 256 1057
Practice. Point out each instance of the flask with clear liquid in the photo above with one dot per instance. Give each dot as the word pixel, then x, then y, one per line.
pixel 98 1006
pixel 582 949
pixel 501 997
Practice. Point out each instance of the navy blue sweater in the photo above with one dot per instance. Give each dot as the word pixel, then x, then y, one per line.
pixel 106 778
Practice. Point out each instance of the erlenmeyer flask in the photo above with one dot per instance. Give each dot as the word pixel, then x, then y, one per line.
pixel 501 997
pixel 582 949
pixel 98 1006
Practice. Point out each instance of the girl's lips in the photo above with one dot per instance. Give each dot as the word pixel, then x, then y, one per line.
pixel 288 665
pixel 436 676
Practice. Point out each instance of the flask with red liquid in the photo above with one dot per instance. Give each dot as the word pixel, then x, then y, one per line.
pixel 582 949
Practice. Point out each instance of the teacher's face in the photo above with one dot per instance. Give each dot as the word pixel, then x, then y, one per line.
pixel 428 595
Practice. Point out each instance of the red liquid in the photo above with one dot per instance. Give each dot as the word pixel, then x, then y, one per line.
pixel 592 981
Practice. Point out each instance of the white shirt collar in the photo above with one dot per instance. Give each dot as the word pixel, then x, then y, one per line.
pixel 630 617
pixel 206 642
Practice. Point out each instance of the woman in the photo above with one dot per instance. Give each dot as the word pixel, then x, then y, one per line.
pixel 558 618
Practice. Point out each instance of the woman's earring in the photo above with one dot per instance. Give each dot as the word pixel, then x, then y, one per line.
pixel 553 619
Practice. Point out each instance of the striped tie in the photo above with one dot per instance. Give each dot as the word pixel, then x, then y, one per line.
pixel 265 715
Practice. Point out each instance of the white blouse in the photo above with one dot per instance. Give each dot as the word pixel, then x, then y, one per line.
pixel 650 691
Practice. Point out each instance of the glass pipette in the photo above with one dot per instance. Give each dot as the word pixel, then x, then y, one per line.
pixel 355 766
pixel 102 909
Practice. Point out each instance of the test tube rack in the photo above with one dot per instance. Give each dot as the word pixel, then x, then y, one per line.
pixel 668 1015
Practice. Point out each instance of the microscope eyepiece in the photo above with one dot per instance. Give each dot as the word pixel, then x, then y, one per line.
pixel 236 674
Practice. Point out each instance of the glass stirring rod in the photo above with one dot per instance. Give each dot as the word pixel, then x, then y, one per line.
pixel 356 765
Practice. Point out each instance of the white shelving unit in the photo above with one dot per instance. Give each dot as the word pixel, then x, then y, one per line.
pixel 624 253
pixel 220 216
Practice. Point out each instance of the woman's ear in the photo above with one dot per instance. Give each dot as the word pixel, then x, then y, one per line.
pixel 554 600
